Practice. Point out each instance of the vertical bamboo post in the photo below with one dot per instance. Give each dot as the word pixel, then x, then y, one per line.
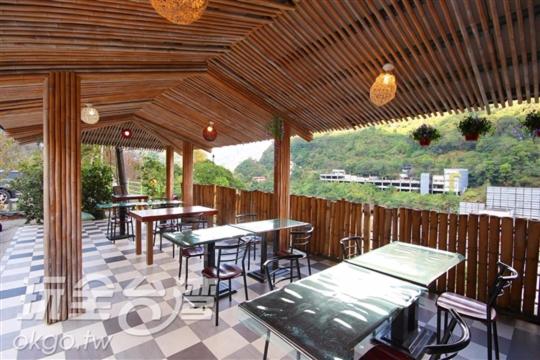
pixel 169 170
pixel 62 195
pixel 187 174
pixel 282 166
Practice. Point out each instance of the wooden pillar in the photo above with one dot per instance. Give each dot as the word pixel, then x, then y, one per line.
pixel 187 174
pixel 62 194
pixel 169 169
pixel 282 168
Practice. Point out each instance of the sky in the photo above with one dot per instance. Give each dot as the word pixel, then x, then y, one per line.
pixel 230 156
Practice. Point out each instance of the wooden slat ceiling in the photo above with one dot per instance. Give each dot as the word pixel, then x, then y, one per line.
pixel 311 62
pixel 110 136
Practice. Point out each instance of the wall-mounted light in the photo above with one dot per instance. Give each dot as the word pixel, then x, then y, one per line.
pixel 126 133
pixel 89 114
pixel 210 133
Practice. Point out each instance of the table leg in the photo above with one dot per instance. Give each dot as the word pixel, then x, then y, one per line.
pixel 259 273
pixel 122 213
pixel 149 243
pixel 138 237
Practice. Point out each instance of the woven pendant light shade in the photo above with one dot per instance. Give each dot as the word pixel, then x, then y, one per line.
pixel 181 12
pixel 384 88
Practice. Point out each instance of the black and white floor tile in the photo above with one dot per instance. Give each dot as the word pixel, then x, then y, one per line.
pixel 130 295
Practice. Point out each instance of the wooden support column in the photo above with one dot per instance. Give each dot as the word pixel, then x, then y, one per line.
pixel 282 168
pixel 169 169
pixel 62 194
pixel 187 173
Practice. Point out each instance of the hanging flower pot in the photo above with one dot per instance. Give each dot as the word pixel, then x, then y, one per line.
pixel 532 123
pixel 472 126
pixel 425 134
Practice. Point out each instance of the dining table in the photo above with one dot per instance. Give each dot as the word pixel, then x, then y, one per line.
pixel 374 295
pixel 269 227
pixel 149 216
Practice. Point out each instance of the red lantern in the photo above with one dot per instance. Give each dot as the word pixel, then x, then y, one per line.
pixel 209 133
pixel 126 133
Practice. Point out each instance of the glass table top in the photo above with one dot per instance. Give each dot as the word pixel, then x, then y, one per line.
pixel 203 236
pixel 269 225
pixel 418 264
pixel 327 314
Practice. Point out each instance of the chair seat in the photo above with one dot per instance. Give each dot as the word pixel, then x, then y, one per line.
pixel 296 253
pixel 192 251
pixel 464 306
pixel 254 239
pixel 384 352
pixel 226 271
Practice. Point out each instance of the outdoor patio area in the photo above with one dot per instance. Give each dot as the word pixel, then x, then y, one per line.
pixel 120 278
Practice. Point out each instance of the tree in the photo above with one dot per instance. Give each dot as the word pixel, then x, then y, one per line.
pixel 97 181
pixel 30 184
pixel 206 172
pixel 152 175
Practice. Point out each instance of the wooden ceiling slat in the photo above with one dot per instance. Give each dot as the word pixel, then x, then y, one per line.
pixel 533 46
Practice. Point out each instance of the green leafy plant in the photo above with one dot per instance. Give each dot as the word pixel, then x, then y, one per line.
pixel 97 181
pixel 275 127
pixel 30 184
pixel 425 134
pixel 472 126
pixel 532 122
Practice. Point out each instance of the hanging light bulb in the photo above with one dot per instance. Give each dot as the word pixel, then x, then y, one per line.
pixel 384 88
pixel 210 133
pixel 126 133
pixel 181 12
pixel 89 114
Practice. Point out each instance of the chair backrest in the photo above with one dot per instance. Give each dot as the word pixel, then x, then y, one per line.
pixel 302 236
pixel 446 348
pixel 231 251
pixel 118 190
pixel 194 222
pixel 505 276
pixel 281 268
pixel 351 246
pixel 242 218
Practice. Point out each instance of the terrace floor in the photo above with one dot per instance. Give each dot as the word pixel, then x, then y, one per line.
pixel 120 278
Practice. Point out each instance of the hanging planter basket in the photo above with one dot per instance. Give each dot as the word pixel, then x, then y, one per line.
pixel 532 123
pixel 472 126
pixel 425 134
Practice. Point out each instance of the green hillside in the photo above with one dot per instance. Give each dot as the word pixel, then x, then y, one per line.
pixel 508 157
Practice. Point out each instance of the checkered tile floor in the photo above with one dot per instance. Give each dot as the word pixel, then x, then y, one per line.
pixel 118 278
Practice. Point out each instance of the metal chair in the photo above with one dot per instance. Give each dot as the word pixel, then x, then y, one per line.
pixel 226 269
pixel 449 350
pixel 191 223
pixel 254 239
pixel 299 244
pixel 351 246
pixel 478 310
pixel 275 273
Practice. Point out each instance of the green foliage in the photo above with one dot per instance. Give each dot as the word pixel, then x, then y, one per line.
pixel 425 132
pixel 473 124
pixel 206 172
pixel 97 181
pixel 532 121
pixel 30 184
pixel 152 175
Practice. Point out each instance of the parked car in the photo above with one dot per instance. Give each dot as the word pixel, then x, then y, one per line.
pixel 7 191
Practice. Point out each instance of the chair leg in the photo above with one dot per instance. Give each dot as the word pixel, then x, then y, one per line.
pixel 160 240
pixel 230 290
pixel 298 269
pixel 308 263
pixel 496 340
pixel 266 343
pixel 173 246
pixel 438 325
pixel 180 262
pixel 489 340
pixel 217 303
pixel 249 257
pixel 187 272
pixel 245 285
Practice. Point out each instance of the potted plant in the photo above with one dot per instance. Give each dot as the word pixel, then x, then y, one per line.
pixel 532 122
pixel 425 134
pixel 473 126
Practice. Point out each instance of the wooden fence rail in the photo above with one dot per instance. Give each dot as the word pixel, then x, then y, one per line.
pixel 482 239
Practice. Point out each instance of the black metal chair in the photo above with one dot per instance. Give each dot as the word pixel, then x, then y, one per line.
pixel 299 244
pixel 477 310
pixel 254 239
pixel 226 269
pixel 164 226
pixel 114 225
pixel 449 350
pixel 351 246
pixel 191 223
pixel 277 272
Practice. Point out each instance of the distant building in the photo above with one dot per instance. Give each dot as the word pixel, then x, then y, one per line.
pixel 452 181
pixel 258 179
pixel 506 201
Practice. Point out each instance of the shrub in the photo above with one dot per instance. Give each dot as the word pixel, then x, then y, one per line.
pixel 532 121
pixel 97 181
pixel 30 184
